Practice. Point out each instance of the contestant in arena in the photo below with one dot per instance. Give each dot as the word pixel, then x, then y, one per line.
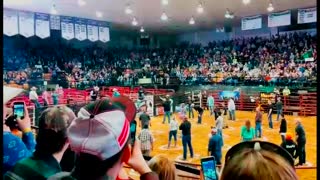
pixel 185 127
pixel 173 131
pixel 210 102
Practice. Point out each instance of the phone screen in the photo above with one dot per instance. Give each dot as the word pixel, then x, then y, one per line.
pixel 18 109
pixel 209 169
pixel 133 128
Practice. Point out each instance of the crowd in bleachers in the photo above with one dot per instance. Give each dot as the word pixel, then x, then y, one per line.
pixel 279 60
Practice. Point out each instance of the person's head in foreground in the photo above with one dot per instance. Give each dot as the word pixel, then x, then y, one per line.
pixel 100 136
pixel 164 167
pixel 214 131
pixel 257 160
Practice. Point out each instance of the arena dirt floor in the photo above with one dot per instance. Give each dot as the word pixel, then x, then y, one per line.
pixel 200 137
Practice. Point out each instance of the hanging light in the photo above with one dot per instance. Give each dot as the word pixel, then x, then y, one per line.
pixel 165 2
pixel 164 17
pixel 128 10
pixel 270 7
pixel 134 22
pixel 82 2
pixel 191 21
pixel 99 14
pixel 246 1
pixel 200 8
pixel 53 9
pixel 141 29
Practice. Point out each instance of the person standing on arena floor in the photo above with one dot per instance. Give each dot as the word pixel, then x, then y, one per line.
pixel 166 108
pixel 279 107
pixel 185 127
pixel 270 106
pixel 146 140
pixel 200 113
pixel 301 143
pixel 45 97
pixel 33 97
pixel 247 132
pixel 215 146
pixel 173 131
pixel 232 109
pixel 258 120
pixel 290 145
pixel 190 107
pixel 210 102
pixel 219 125
pixel 283 128
pixel 144 119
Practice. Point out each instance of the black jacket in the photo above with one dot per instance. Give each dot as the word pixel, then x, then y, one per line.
pixel 283 126
pixel 290 146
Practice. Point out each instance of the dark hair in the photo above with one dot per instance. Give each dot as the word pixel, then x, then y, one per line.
pixel 219 113
pixel 145 126
pixel 89 166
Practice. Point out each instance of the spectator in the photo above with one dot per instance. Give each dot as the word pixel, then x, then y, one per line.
pixel 94 93
pixel 165 168
pixel 215 146
pixel 258 120
pixel 45 160
pixel 55 97
pixel 270 107
pixel 146 140
pixel 185 127
pixel 290 145
pixel 232 109
pixel 286 91
pixel 33 97
pixel 210 102
pixel 283 128
pixel 166 109
pixel 248 160
pixel 301 143
pixel 247 132
pixel 102 152
pixel 15 148
pixel 144 119
pixel 279 107
pixel 115 93
pixel 173 132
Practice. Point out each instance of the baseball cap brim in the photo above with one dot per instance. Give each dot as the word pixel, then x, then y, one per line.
pixel 127 105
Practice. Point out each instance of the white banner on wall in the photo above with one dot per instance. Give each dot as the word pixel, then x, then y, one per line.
pixel 92 27
pixel 10 22
pixel 307 15
pixel 42 25
pixel 279 19
pixel 55 22
pixel 26 24
pixel 149 103
pixel 80 29
pixel 253 22
pixel 67 28
pixel 104 34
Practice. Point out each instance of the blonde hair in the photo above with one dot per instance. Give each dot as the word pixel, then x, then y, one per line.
pixel 165 168
pixel 258 165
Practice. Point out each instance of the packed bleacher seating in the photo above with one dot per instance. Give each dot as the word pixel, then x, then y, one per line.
pixel 278 60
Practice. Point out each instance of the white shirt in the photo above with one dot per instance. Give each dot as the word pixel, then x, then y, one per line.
pixel 231 105
pixel 219 123
pixel 174 125
pixel 33 95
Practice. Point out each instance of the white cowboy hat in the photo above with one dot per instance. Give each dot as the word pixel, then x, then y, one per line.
pixel 33 88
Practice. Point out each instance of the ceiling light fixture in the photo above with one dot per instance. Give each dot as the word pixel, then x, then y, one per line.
pixel 164 17
pixel 270 7
pixel 191 22
pixel 53 9
pixel 141 29
pixel 82 2
pixel 200 8
pixel 134 22
pixel 165 2
pixel 246 1
pixel 99 14
pixel 128 10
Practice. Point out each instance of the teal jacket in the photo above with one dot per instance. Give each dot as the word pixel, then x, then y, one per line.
pixel 247 135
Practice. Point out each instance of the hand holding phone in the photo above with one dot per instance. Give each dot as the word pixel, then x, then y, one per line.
pixel 209 169
pixel 23 119
pixel 19 109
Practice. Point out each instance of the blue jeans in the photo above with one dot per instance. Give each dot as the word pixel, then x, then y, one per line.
pixel 211 108
pixel 186 140
pixel 166 114
pixel 36 103
pixel 232 115
pixel 200 118
pixel 270 121
pixel 258 129
pixel 279 112
pixel 190 112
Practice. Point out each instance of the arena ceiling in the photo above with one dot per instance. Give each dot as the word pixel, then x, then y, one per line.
pixel 148 12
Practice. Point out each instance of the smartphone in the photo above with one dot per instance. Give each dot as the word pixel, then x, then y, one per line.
pixel 133 130
pixel 208 166
pixel 18 109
